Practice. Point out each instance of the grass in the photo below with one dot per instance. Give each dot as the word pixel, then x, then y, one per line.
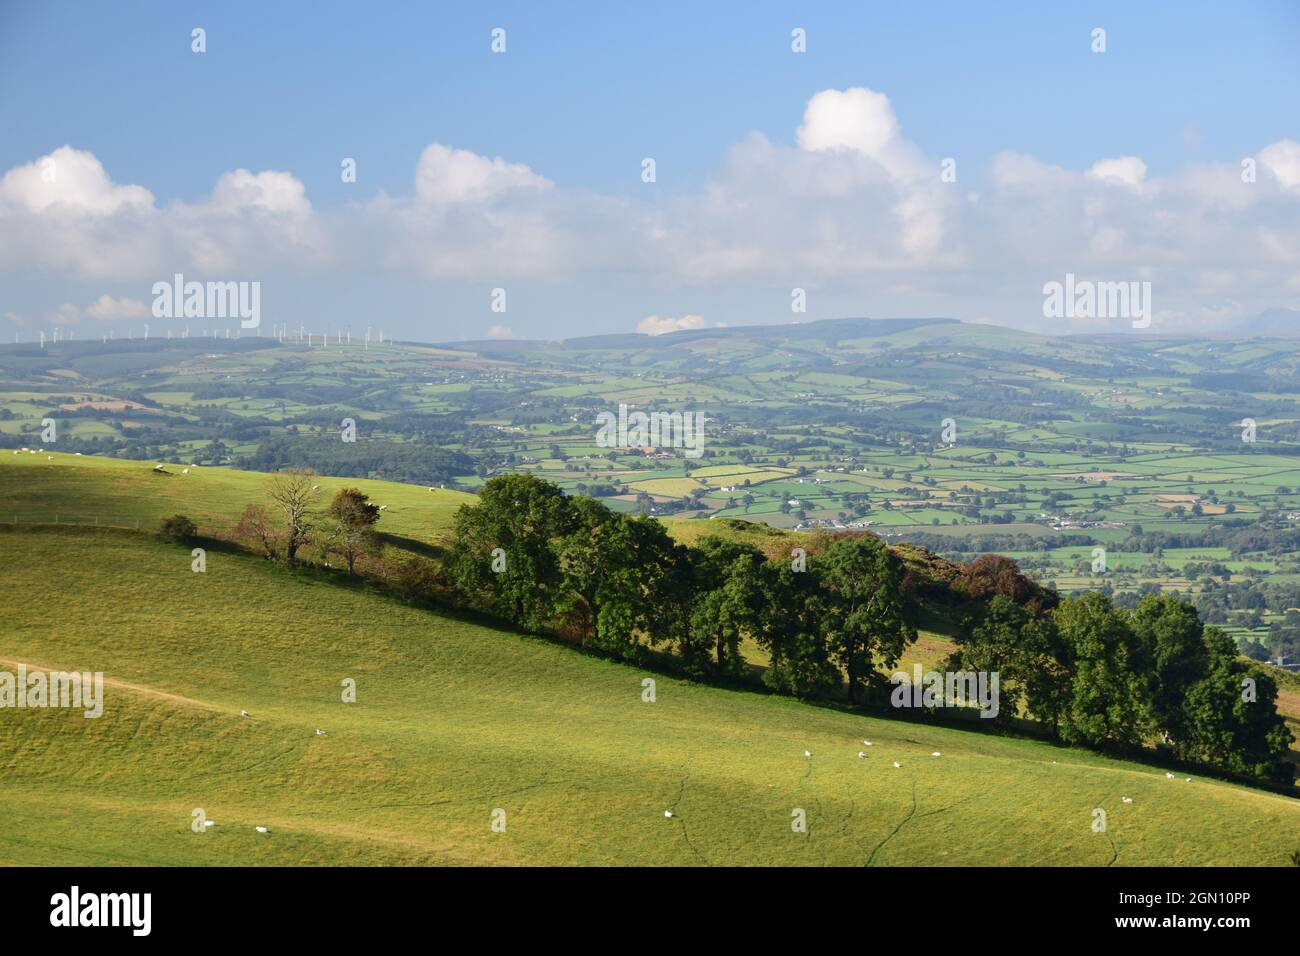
pixel 454 720
pixel 81 488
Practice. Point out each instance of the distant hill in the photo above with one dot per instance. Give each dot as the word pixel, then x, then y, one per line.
pixel 827 331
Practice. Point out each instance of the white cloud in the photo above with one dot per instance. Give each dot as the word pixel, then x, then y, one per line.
pixel 1282 159
pixel 105 308
pixel 110 309
pixel 853 207
pixel 1129 170
pixel 654 325
pixel 444 174
pixel 68 181
pixel 501 332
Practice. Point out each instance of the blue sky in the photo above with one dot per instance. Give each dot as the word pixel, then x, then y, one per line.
pixel 585 91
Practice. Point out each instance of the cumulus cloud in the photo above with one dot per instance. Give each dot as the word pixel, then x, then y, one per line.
pixel 444 174
pixel 851 204
pixel 654 325
pixel 1282 159
pixel 68 182
pixel 110 309
pixel 1128 170
pixel 106 308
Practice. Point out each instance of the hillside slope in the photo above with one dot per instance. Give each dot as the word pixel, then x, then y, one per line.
pixel 454 720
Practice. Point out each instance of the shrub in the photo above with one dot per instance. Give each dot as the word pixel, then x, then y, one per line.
pixel 178 529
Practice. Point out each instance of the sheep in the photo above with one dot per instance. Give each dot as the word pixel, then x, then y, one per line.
pixel 431 489
pixel 1169 776
pixel 185 471
pixel 321 733
pixel 383 507
pixel 261 829
pixel 861 754
pixel 315 487
pixel 244 713
pixel 897 764
pixel 936 754
pixel 1127 799
pixel 668 813
pixel 868 743
pixel 807 753
pixel 49 458
pixel 209 823
pixel 1189 780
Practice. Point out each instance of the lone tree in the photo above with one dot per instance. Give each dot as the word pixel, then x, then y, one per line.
pixel 354 531
pixel 293 491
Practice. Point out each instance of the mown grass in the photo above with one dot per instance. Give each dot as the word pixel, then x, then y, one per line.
pixel 454 720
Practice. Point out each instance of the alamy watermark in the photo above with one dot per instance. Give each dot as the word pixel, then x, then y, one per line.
pixel 208 300
pixel 948 689
pixel 84 691
pixel 684 430
pixel 1085 299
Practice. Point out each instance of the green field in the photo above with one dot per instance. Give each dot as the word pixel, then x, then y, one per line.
pixel 454 720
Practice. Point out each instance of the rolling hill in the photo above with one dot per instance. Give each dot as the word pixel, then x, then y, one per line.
pixel 454 720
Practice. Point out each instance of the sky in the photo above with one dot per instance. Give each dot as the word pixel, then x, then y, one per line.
pixel 912 160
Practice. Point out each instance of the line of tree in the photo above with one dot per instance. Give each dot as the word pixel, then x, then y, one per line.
pixel 833 618
pixel 1098 675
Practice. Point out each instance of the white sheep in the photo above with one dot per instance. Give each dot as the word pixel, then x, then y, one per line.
pixel 1169 776
pixel 668 813
pixel 244 713
pixel 321 733
pixel 185 471
pixel 1127 799
pixel 897 764
pixel 861 754
pixel 261 829
pixel 868 743
pixel 807 753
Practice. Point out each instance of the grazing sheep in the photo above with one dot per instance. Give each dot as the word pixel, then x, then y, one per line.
pixel 1169 776
pixel 861 754
pixel 321 733
pixel 185 471
pixel 261 829
pixel 868 743
pixel 1127 799
pixel 315 487
pixel 244 713
pixel 1189 780
pixel 668 813
pixel 807 753
pixel 49 458
pixel 897 764
pixel 383 507
pixel 209 823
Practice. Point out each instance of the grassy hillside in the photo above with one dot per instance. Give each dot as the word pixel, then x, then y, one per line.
pixel 38 488
pixel 453 720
